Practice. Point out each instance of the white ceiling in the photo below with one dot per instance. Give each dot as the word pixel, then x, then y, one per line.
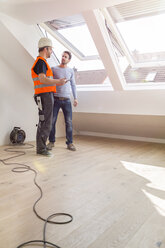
pixel 37 11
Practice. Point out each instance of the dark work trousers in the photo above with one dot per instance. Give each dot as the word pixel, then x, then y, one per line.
pixel 45 102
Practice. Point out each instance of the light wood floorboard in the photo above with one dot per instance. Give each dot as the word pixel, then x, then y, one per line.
pixel 114 189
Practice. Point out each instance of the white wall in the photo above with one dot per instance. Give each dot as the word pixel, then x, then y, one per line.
pixel 17 107
pixel 138 115
pixel 26 35
pixel 139 102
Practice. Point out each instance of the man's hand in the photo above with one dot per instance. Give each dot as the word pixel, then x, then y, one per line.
pixel 45 80
pixel 62 81
pixel 75 102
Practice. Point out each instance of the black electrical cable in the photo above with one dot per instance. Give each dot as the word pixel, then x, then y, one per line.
pixel 24 168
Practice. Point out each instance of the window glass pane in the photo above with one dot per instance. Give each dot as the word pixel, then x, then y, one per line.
pixel 144 37
pixel 80 37
pixel 75 62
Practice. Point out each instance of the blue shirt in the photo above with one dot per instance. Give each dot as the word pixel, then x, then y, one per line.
pixel 64 90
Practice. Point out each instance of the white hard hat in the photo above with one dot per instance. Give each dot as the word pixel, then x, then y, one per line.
pixel 44 42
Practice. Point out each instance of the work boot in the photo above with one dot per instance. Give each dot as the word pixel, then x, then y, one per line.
pixel 71 147
pixel 44 153
pixel 50 145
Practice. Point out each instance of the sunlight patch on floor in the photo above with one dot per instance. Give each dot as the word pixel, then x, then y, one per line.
pixel 39 166
pixel 154 176
pixel 159 203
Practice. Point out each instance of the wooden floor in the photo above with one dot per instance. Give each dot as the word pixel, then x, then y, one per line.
pixel 115 190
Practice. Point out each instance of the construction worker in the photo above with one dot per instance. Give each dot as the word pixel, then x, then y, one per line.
pixel 44 87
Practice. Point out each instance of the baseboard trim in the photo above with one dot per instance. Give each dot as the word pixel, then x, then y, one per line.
pixel 125 137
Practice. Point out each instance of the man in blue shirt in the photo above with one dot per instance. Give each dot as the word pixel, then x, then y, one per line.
pixel 62 100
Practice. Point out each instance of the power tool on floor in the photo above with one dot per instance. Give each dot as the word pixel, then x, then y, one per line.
pixel 17 136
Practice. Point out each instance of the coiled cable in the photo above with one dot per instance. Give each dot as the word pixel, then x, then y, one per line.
pixel 21 168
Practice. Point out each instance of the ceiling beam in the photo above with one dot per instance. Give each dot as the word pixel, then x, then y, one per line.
pixel 102 41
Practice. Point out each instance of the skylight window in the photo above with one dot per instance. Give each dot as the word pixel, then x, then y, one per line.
pixel 79 65
pixel 88 67
pixel 136 32
pixel 80 37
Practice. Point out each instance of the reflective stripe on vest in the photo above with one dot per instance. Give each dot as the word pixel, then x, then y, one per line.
pixel 37 79
pixel 41 86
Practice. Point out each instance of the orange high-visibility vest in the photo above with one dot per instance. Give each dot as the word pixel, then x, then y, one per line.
pixel 38 86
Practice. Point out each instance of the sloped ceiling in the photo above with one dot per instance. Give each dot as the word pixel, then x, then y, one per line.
pixel 37 11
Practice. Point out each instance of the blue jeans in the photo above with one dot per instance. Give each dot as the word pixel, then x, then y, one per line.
pixel 66 107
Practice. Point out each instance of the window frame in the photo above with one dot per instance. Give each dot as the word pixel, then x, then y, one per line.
pixel 67 43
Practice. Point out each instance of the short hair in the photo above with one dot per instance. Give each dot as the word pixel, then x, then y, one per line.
pixel 42 48
pixel 69 53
